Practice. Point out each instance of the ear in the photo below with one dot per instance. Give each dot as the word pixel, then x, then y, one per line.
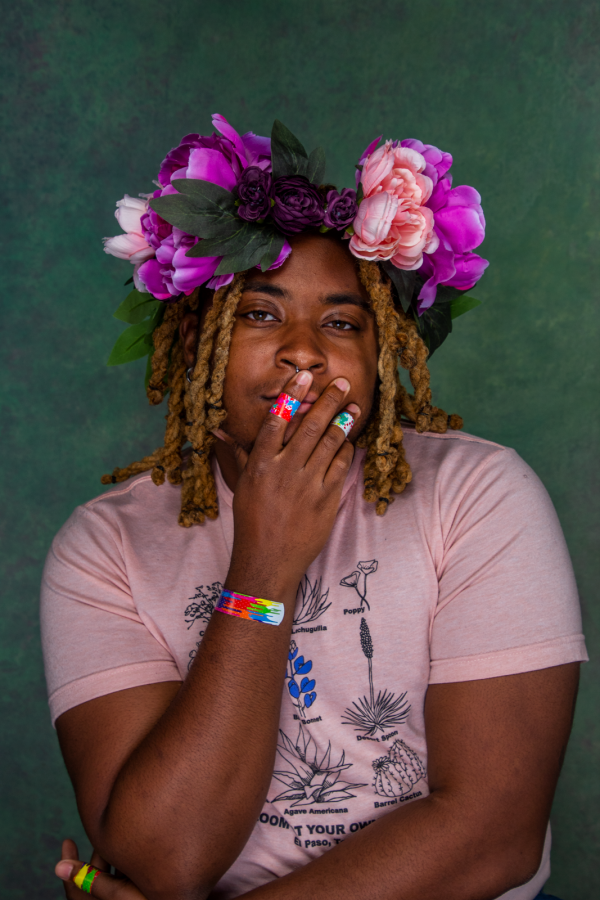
pixel 188 335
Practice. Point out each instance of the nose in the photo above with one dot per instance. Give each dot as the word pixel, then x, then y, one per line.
pixel 302 350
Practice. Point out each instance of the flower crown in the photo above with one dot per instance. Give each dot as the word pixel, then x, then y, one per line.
pixel 226 203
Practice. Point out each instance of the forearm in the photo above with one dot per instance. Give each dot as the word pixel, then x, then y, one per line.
pixel 434 847
pixel 184 804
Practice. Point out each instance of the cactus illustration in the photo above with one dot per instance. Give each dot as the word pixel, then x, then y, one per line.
pixel 376 713
pixel 358 579
pixel 398 772
pixel 310 779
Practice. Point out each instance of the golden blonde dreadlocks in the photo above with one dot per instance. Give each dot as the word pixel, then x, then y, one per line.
pixel 195 407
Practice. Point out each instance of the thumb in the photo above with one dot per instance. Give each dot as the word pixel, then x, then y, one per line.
pixel 241 457
pixel 82 878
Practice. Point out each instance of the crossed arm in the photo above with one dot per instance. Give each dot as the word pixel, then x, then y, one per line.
pixel 495 749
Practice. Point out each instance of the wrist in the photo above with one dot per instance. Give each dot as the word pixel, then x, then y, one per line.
pixel 259 578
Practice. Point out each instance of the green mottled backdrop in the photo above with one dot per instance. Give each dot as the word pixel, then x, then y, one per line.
pixel 94 93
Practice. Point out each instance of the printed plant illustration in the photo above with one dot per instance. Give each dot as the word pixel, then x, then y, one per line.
pixel 308 778
pixel 300 686
pixel 207 595
pixel 398 772
pixel 358 579
pixel 375 714
pixel 310 602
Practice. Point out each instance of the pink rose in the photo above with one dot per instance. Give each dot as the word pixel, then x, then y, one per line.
pixel 132 245
pixel 372 227
pixel 399 228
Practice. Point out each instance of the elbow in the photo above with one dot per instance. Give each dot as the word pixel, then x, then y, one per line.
pixel 515 865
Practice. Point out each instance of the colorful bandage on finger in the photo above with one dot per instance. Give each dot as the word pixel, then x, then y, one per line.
pixel 285 407
pixel 255 608
pixel 344 421
pixel 85 878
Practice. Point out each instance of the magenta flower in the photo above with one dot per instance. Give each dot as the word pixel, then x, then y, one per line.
pixel 460 227
pixel 221 159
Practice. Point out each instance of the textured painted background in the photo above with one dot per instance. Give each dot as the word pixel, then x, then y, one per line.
pixel 94 94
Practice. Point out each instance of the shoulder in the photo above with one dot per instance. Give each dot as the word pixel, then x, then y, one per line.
pixel 137 508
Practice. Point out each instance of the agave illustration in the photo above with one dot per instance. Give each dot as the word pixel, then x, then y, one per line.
pixel 358 579
pixel 310 602
pixel 375 713
pixel 308 778
pixel 398 772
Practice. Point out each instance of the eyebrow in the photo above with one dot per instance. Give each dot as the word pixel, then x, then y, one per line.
pixel 343 298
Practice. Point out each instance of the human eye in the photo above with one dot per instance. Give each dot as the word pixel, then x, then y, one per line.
pixel 259 315
pixel 340 325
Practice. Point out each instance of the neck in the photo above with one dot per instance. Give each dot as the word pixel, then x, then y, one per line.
pixel 227 463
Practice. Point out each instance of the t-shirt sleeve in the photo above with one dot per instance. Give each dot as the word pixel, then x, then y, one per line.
pixel 507 595
pixel 93 638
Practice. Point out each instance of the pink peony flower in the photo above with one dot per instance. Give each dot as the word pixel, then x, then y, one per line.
pixel 132 245
pixel 399 228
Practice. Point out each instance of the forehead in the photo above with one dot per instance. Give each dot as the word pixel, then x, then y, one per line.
pixel 317 265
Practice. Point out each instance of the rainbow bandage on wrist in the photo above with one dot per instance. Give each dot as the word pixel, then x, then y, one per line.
pixel 285 407
pixel 85 878
pixel 255 608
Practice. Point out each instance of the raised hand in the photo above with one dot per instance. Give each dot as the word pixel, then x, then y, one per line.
pixel 288 493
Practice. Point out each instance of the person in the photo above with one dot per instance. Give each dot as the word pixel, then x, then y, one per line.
pixel 383 709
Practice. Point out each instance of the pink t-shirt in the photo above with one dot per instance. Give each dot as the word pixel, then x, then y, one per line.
pixel 467 576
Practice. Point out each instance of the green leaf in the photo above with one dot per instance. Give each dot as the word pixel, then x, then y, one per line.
pixel 315 171
pixel 202 208
pixel 275 247
pixel 132 344
pixel 288 156
pixel 205 193
pixel 360 194
pixel 463 304
pixel 219 246
pixel 135 307
pixel 435 325
pixel 403 281
pixel 248 257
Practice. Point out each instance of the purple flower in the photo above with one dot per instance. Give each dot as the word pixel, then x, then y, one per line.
pixel 298 204
pixel 253 190
pixel 341 209
pixel 437 162
pixel 460 227
pixel 220 158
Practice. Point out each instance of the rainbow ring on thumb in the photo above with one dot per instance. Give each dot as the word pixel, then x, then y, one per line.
pixel 344 421
pixel 85 878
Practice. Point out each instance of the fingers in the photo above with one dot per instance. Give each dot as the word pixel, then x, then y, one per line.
pixel 334 437
pixel 317 439
pixel 82 879
pixel 270 437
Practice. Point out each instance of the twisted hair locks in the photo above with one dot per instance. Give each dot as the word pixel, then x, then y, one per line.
pixel 195 407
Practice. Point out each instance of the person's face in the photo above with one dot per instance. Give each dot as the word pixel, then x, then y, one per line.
pixel 311 313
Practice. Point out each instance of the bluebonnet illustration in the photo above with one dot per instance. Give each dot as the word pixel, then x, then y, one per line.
pixel 300 686
pixel 310 602
pixel 308 778
pixel 358 579
pixel 201 609
pixel 375 714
